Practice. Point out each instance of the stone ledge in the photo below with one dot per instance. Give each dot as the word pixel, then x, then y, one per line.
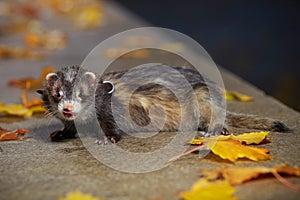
pixel 38 169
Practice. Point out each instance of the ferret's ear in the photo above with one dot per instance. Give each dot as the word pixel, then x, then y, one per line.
pixel 51 78
pixel 90 77
pixel 108 86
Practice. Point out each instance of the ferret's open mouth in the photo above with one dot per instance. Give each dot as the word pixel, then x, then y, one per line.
pixel 68 114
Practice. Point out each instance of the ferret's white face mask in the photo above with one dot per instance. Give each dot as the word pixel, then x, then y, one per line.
pixel 72 96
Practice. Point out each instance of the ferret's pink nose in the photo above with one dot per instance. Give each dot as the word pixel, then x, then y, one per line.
pixel 68 108
pixel 68 111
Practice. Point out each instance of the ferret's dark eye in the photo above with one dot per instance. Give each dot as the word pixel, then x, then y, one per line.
pixel 59 94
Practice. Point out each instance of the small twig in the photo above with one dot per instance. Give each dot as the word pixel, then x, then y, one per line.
pixel 284 181
pixel 186 153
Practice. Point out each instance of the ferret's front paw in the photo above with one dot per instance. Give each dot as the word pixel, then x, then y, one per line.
pixel 57 136
pixel 224 131
pixel 60 135
pixel 216 132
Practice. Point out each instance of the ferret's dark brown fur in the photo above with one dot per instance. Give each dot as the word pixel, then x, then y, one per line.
pixel 156 87
pixel 208 96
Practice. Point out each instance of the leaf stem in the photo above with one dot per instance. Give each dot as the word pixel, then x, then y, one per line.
pixel 284 181
pixel 187 152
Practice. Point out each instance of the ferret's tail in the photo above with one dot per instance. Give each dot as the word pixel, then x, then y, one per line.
pixel 255 122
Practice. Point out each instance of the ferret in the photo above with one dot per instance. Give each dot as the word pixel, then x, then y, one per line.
pixel 124 102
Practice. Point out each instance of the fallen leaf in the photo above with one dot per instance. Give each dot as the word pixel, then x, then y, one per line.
pixel 13 109
pixel 232 150
pixel 89 16
pixel 48 39
pixel 77 195
pixel 12 135
pixel 85 14
pixel 204 189
pixel 248 138
pixel 19 9
pixel 30 106
pixel 14 26
pixel 230 146
pixel 251 138
pixel 31 82
pixel 197 141
pixel 286 169
pixel 235 175
pixel 29 103
pixel 20 110
pixel 9 52
pixel 237 96
pixel 239 175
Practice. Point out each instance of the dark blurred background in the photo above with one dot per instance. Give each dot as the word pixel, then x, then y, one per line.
pixel 257 40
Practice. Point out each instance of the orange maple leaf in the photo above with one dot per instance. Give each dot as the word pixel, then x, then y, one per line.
pixel 239 175
pixel 12 135
pixel 31 82
pixel 29 103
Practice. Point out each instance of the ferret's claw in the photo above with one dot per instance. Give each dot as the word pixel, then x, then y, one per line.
pixel 225 131
pixel 113 140
pixel 105 141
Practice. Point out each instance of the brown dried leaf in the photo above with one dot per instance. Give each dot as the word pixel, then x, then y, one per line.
pixel 29 103
pixel 239 175
pixel 12 135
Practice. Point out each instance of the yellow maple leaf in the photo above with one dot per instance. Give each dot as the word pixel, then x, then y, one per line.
pixel 197 141
pixel 89 16
pixel 204 189
pixel 251 138
pixel 13 109
pixel 248 138
pixel 34 109
pixel 20 110
pixel 232 150
pixel 77 195
pixel 237 96
pixel 230 146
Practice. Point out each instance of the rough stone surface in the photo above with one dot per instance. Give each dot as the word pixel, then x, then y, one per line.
pixel 39 169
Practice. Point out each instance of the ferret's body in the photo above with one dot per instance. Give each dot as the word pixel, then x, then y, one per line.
pixel 157 98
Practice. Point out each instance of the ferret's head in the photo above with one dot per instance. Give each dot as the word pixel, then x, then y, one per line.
pixel 69 92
